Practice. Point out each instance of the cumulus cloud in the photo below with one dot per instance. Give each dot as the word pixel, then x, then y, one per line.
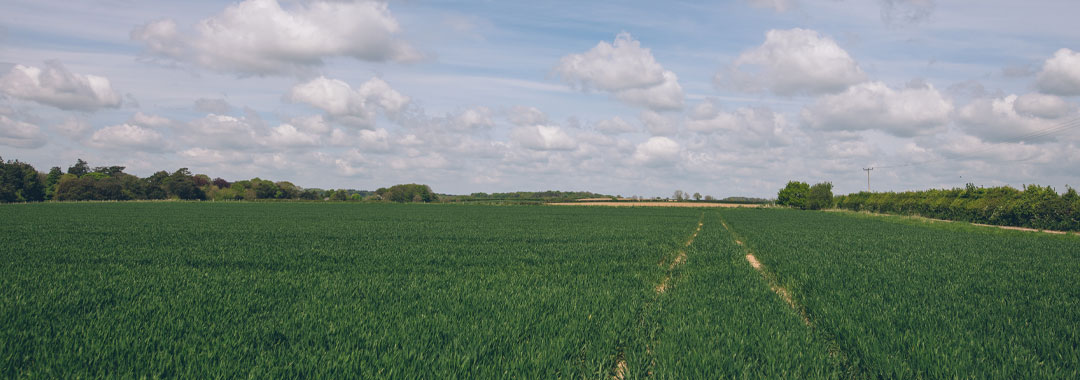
pixel 540 137
pixel 659 125
pixel 657 151
pixel 343 104
pixel 626 70
pixel 1060 74
pixel 526 116
pixel 916 110
pixel 55 86
pixel 1012 117
pixel 754 126
pixel 127 136
pixel 262 38
pixel 792 62
pixel 220 131
pixel 20 134
pixel 1042 105
pixel 474 118
pixel 614 125
pixel 288 136
pixel 145 120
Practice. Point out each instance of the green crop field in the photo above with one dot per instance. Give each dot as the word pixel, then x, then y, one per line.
pixel 273 290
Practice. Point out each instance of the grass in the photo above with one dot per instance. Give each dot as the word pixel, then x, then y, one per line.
pixel 270 290
pixel 908 299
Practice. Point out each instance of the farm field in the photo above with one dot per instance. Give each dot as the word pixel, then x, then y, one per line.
pixel 178 289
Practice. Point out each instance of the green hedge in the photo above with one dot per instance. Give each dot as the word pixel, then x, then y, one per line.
pixel 1034 207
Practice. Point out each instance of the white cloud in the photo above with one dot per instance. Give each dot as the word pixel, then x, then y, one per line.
pixel 526 116
pixel 666 96
pixel 753 126
pixel 354 107
pixel 659 125
pixel 474 118
pixel 260 37
pixel 1001 119
pixel 1042 105
pixel 145 120
pixel 127 136
pixel 288 136
pixel 539 137
pixel 626 70
pixel 205 156
pixel 313 124
pixel 792 62
pixel 220 131
pixel 916 110
pixel 657 151
pixel 20 134
pixel 55 86
pixel 776 5
pixel 377 140
pixel 1060 74
pixel 614 125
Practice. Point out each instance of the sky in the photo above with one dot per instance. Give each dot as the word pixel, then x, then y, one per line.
pixel 722 98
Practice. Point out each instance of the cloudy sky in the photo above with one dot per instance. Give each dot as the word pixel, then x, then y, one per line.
pixel 623 97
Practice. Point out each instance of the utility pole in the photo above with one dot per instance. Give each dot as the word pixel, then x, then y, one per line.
pixel 868 178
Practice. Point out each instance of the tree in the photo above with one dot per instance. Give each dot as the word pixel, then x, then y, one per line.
pixel 408 193
pixel 221 183
pixel 820 196
pixel 79 169
pixel 678 195
pixel 109 171
pixel 697 196
pixel 155 185
pixel 180 184
pixel 50 182
pixel 794 194
pixel 709 198
pixel 20 182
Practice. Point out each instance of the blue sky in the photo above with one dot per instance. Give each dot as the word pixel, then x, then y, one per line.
pixel 629 98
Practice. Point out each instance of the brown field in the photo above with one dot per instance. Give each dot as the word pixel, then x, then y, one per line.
pixel 654 204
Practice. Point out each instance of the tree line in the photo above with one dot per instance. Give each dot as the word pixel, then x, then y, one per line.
pixel 1034 206
pixel 20 182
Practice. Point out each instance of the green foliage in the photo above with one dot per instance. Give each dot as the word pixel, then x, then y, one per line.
pixel 19 182
pixel 79 169
pixel 820 196
pixel 795 195
pixel 407 193
pixel 911 301
pixel 1034 206
pixel 209 290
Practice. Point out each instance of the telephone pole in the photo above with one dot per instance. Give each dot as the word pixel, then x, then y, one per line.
pixel 868 178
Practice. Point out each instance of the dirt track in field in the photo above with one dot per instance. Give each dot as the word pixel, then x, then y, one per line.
pixel 653 204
